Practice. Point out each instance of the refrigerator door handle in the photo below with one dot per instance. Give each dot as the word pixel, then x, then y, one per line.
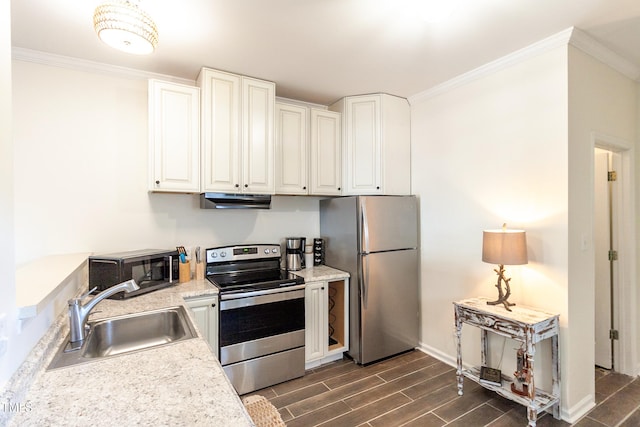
pixel 365 228
pixel 364 279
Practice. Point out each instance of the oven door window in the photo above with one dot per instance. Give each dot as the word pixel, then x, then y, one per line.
pixel 253 322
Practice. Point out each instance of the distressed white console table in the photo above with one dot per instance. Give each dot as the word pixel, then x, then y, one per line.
pixel 526 325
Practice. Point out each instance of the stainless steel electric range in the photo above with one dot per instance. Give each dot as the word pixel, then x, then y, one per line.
pixel 262 322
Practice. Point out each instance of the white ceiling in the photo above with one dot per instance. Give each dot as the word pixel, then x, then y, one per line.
pixel 321 50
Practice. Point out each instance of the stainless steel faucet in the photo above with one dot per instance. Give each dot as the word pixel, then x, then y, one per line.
pixel 78 313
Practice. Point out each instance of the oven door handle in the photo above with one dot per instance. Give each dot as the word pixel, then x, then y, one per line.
pixel 260 292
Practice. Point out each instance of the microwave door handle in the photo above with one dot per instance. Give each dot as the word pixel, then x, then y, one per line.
pixel 170 268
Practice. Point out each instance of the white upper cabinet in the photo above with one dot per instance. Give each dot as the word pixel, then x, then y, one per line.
pixel 377 144
pixel 291 149
pixel 237 133
pixel 220 131
pixel 258 105
pixel 326 153
pixel 174 137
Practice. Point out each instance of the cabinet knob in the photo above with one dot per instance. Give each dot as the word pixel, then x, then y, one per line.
pixel 377 188
pixel 322 288
pixel 237 185
pixel 157 182
pixel 339 188
pixel 246 186
pixel 213 305
pixel 304 188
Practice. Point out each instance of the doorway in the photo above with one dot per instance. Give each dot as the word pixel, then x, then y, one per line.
pixel 605 244
pixel 615 330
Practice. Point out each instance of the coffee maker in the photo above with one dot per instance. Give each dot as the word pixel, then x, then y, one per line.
pixel 295 253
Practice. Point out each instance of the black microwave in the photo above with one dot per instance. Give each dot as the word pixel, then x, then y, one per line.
pixel 152 269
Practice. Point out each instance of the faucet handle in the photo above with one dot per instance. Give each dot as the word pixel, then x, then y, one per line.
pixel 81 297
pixel 90 291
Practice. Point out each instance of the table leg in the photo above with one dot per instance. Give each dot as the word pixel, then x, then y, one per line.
pixel 555 375
pixel 484 347
pixel 532 410
pixel 459 375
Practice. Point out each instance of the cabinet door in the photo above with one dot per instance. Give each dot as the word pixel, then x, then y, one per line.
pixel 220 131
pixel 326 153
pixel 362 162
pixel 291 149
pixel 257 136
pixel 205 313
pixel 174 135
pixel 396 145
pixel 316 327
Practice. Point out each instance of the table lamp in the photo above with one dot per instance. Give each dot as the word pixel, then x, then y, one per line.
pixel 504 247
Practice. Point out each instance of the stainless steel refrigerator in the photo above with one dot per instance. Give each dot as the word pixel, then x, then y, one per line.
pixel 375 239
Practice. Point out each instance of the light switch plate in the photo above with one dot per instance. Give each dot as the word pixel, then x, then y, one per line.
pixel 3 334
pixel 3 325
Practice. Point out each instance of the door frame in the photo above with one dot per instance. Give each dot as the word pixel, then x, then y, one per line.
pixel 624 298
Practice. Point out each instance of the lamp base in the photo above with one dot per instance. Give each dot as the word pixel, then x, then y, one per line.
pixel 502 301
pixel 502 296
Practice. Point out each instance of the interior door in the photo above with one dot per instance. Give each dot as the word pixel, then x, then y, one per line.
pixel 602 245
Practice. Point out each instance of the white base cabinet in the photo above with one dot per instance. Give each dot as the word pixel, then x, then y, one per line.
pixel 327 317
pixel 174 137
pixel 205 313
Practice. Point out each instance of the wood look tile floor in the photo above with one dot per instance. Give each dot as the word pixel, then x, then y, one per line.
pixel 414 389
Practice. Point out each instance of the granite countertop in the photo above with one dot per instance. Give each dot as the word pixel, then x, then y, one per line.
pixel 178 384
pixel 319 273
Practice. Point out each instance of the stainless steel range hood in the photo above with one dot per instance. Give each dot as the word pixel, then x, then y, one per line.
pixel 234 201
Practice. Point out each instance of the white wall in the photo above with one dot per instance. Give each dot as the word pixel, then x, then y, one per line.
pixel 81 175
pixel 489 152
pixel 7 275
pixel 517 147
pixel 601 101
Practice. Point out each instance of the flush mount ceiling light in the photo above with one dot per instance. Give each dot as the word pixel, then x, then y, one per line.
pixel 124 26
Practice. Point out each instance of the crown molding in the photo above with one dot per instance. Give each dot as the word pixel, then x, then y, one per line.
pixel 45 58
pixel 545 45
pixel 581 40
pixel 574 36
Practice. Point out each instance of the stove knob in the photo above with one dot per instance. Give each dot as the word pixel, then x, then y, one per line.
pixel 266 251
pixel 214 255
pixel 274 250
pixel 223 254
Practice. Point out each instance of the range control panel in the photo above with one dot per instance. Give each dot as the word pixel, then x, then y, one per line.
pixel 239 253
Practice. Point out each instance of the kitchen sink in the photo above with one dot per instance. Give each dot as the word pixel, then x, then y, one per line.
pixel 126 334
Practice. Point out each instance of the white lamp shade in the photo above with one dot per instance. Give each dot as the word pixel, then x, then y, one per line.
pixel 506 247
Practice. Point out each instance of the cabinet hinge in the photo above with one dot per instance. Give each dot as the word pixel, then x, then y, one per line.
pixel 613 334
pixel 613 255
pixel 612 176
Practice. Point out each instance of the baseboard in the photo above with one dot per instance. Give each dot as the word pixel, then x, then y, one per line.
pixel 571 415
pixel 579 410
pixel 323 361
pixel 433 352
